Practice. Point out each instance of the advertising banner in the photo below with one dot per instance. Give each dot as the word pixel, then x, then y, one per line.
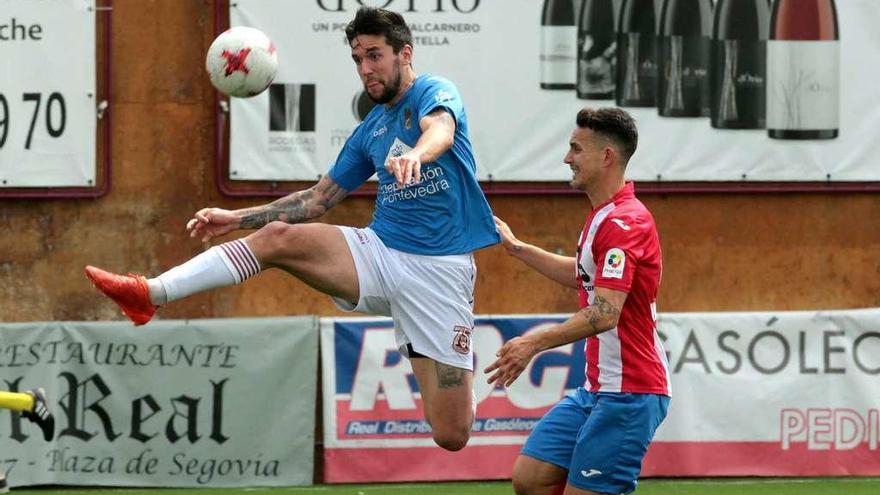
pixel 227 402
pixel 728 91
pixel 374 428
pixel 47 93
pixel 771 394
pixel 754 394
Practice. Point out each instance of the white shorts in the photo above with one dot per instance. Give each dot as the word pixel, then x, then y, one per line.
pixel 430 298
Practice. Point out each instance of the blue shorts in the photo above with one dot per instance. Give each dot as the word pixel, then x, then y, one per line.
pixel 600 438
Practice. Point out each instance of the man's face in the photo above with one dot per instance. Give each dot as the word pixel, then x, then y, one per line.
pixel 586 154
pixel 378 66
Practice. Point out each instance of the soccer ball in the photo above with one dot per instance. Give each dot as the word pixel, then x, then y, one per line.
pixel 242 62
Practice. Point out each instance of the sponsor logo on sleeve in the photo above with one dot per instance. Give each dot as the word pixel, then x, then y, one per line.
pixel 620 223
pixel 615 261
pixel 443 96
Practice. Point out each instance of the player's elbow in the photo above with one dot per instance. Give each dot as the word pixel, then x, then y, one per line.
pixel 443 141
pixel 601 323
pixel 449 138
pixel 607 323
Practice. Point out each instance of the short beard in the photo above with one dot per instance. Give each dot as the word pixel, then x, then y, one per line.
pixel 391 90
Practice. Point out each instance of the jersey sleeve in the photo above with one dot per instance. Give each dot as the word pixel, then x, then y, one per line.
pixel 618 248
pixel 440 93
pixel 353 166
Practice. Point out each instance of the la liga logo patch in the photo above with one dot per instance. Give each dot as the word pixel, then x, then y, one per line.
pixel 615 261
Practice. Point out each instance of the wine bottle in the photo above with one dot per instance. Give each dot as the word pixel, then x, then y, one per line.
pixel 739 64
pixel 803 70
pixel 685 38
pixel 637 54
pixel 597 45
pixel 558 45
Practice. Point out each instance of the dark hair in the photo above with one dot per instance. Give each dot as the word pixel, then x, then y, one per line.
pixel 614 124
pixel 376 21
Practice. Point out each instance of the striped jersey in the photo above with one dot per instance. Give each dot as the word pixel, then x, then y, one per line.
pixel 619 249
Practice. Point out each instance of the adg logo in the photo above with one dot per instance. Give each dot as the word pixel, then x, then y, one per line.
pixel 438 6
pixel 292 107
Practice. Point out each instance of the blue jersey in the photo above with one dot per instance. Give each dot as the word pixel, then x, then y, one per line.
pixel 445 212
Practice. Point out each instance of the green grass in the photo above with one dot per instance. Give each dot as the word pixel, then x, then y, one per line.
pixel 748 486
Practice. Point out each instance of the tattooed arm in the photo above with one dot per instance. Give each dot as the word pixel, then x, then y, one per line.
pixel 596 318
pixel 600 316
pixel 297 207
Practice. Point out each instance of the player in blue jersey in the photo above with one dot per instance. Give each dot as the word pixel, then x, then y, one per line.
pixel 413 262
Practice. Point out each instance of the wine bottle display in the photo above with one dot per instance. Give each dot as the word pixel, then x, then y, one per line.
pixel 558 45
pixel 685 39
pixel 597 46
pixel 738 72
pixel 637 54
pixel 803 70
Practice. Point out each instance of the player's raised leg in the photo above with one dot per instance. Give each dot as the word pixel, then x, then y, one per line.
pixel 447 398
pixel 316 253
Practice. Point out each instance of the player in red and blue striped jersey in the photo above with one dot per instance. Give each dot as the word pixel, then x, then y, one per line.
pixel 594 440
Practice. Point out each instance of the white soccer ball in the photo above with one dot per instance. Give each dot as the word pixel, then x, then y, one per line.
pixel 242 62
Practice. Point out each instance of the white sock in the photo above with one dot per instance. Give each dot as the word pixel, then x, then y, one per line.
pixel 157 292
pixel 227 264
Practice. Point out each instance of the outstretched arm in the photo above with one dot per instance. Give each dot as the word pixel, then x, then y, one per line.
pixel 560 269
pixel 297 207
pixel 438 133
pixel 598 317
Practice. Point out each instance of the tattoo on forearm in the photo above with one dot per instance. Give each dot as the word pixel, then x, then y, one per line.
pixel 601 310
pixel 449 376
pixel 298 207
pixel 290 209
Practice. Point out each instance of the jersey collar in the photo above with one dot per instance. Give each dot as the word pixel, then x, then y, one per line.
pixel 625 192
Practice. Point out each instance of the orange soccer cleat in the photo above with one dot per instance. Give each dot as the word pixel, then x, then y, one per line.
pixel 130 292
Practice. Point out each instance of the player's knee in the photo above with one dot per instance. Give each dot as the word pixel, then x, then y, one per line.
pixel 274 231
pixel 524 482
pixel 524 485
pixel 521 486
pixel 275 240
pixel 452 440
